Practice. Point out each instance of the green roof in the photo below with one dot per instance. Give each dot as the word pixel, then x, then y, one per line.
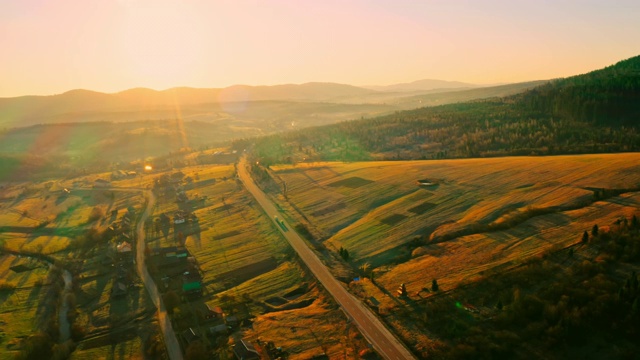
pixel 196 285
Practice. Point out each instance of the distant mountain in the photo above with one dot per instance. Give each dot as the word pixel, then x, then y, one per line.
pixel 76 104
pixel 423 85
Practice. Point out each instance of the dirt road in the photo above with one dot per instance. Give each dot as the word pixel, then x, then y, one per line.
pixel 170 339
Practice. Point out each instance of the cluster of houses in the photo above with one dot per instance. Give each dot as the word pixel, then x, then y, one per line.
pixel 179 271
pixel 122 258
pixel 218 324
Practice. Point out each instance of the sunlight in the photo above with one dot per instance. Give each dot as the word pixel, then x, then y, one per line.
pixel 160 43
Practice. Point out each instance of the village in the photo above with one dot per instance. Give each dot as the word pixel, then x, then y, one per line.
pixel 196 320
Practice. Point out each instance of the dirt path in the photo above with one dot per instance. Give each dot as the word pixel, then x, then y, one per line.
pixel 170 339
pixel 64 307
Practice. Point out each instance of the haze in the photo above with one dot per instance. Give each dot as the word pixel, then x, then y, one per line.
pixel 51 47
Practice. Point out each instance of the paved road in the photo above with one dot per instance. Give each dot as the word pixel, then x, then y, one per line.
pixel 170 339
pixel 370 326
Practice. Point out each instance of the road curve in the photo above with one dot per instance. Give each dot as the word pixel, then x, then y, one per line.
pixel 170 339
pixel 369 325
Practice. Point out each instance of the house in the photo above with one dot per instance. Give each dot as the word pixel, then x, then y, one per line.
pixel 191 284
pixel 123 247
pixel 244 350
pixel 190 336
pixel 216 311
pixel 207 311
pixel 119 289
pixel 221 329
pixel 231 320
pixel 124 252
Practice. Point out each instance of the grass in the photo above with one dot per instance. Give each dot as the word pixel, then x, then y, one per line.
pixel 298 316
pixel 19 307
pixel 50 245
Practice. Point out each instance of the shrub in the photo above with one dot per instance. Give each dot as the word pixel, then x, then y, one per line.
pixel 97 213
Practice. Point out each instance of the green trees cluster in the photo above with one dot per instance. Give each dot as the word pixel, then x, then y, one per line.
pixel 344 253
pixel 556 305
pixel 592 113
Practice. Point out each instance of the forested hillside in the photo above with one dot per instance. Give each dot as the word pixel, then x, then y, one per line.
pixel 591 113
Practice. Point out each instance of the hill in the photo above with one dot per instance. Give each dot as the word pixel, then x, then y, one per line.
pixel 590 113
pixel 498 231
pixel 83 105
pixel 308 104
pixel 421 85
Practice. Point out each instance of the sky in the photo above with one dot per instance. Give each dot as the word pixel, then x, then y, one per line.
pixel 52 46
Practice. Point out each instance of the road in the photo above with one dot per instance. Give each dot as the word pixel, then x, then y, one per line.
pixel 170 339
pixel 369 325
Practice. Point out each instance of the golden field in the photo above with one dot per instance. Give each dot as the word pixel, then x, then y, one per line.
pixel 479 215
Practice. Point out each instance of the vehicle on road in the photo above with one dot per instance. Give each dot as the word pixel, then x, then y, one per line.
pixel 280 223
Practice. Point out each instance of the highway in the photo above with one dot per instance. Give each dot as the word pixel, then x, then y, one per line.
pixel 368 323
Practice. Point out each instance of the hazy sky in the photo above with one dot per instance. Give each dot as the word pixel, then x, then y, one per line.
pixel 51 46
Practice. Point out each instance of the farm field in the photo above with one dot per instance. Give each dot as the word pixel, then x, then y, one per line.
pixel 20 309
pixel 473 217
pixel 247 269
pixel 44 219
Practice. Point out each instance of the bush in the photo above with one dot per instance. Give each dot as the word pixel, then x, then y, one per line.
pixel 97 213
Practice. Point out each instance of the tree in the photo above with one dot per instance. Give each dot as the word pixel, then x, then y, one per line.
pixel 37 346
pixel 594 230
pixel 197 350
pixel 344 253
pixel 403 290
pixel 365 267
pixel 171 300
pixel 499 306
pixel 434 285
pixel 585 237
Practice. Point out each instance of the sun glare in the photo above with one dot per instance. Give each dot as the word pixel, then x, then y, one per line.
pixel 161 44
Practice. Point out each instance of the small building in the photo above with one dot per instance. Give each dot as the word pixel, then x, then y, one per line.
pixel 244 350
pixel 231 320
pixel 216 311
pixel 191 285
pixel 123 247
pixel 190 336
pixel 124 252
pixel 217 330
pixel 208 312
pixel 119 289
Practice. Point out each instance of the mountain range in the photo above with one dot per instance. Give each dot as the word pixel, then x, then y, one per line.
pixel 146 104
